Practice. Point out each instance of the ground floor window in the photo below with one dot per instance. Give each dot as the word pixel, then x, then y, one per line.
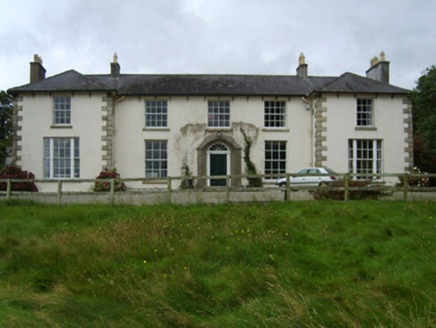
pixel 364 157
pixel 156 159
pixel 275 157
pixel 61 158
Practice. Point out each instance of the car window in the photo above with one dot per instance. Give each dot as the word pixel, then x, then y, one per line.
pixel 313 171
pixel 329 171
pixel 302 171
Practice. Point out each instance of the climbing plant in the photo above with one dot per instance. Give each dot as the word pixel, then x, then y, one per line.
pixel 251 168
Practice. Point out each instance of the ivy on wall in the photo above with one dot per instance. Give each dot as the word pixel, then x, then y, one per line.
pixel 251 168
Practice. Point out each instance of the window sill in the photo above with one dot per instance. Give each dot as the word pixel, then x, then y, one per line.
pixel 155 182
pixel 61 179
pixel 275 130
pixel 61 127
pixel 366 128
pixel 156 129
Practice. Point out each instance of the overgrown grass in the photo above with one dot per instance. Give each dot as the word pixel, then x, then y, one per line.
pixel 308 264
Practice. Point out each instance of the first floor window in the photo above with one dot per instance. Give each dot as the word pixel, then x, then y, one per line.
pixel 365 157
pixel 156 114
pixel 61 158
pixel 275 157
pixel 62 110
pixel 275 114
pixel 365 112
pixel 156 159
pixel 218 114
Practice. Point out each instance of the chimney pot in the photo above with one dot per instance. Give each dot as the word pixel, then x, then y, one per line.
pixel 302 67
pixel 379 69
pixel 115 67
pixel 37 71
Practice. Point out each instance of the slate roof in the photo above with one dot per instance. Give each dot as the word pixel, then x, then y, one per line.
pixel 207 85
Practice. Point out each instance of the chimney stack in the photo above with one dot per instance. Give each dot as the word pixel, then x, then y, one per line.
pixel 379 69
pixel 115 67
pixel 302 68
pixel 37 71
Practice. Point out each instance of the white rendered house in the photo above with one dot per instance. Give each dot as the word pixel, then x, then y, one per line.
pixel 71 125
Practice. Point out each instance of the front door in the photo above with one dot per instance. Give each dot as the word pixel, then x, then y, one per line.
pixel 218 166
pixel 218 163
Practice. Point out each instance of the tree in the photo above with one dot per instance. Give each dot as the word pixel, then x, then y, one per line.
pixel 6 127
pixel 424 120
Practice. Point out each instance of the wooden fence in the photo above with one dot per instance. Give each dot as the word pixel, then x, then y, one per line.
pixel 375 182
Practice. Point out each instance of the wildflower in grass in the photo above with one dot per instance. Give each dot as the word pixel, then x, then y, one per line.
pixel 145 261
pixel 185 268
pixel 155 250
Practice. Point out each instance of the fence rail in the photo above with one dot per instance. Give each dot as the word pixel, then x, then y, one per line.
pixel 374 182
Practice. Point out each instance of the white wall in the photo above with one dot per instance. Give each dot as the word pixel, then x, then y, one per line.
pixel 388 121
pixel 37 123
pixel 187 128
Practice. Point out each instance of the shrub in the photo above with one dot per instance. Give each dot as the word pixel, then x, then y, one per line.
pixel 328 193
pixel 109 175
pixel 416 182
pixel 14 172
pixel 188 181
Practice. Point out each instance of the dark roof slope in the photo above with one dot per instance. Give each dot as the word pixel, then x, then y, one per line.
pixel 207 85
pixel 349 82
pixel 242 85
pixel 67 81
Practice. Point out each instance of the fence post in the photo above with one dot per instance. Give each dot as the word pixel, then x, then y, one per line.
pixel 59 191
pixel 169 190
pixel 405 186
pixel 112 191
pixel 227 189
pixel 347 187
pixel 288 188
pixel 8 190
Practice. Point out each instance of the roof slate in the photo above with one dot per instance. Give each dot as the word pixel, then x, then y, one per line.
pixel 207 85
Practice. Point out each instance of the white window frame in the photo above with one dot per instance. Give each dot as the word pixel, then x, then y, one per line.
pixel 279 160
pixel 161 171
pixel 218 114
pixel 274 114
pixel 55 163
pixel 61 110
pixel 156 114
pixel 365 156
pixel 365 112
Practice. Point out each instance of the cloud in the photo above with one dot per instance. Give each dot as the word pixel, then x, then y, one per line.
pixel 226 36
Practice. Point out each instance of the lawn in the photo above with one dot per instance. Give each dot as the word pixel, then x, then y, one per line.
pixel 301 264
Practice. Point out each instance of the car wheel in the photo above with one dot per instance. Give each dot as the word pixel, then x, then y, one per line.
pixel 323 184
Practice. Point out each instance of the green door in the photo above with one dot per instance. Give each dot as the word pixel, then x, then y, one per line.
pixel 218 166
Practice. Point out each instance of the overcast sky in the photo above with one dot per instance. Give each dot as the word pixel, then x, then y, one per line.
pixel 216 36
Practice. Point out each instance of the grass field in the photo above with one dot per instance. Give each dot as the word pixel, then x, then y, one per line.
pixel 303 264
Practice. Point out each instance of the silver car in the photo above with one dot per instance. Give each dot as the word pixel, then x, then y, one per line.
pixel 311 177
